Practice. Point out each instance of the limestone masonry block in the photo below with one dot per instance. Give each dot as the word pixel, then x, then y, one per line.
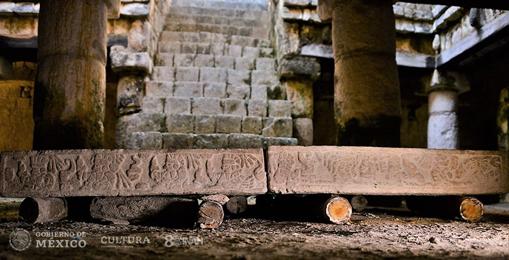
pixel 277 127
pixel 158 89
pixel 164 59
pixel 134 10
pixel 234 107
pixel 187 89
pixel 264 77
pixel 204 60
pixel 211 141
pixel 144 140
pixel 178 141
pixel 234 50
pixel 204 124
pixel 238 91
pixel 280 108
pixel 171 47
pixel 266 64
pixel 177 105
pixel 300 93
pixel 153 105
pixel 217 90
pixel 303 130
pixel 207 106
pixel 213 75
pixel 187 74
pixel 245 141
pixel 259 92
pixel 250 52
pixel 141 122
pixel 122 60
pixel 279 141
pixel 238 77
pixel 132 173
pixel 163 73
pixel 184 60
pixel 217 49
pixel 389 171
pixel 180 123
pixel 257 108
pixel 228 124
pixel 224 62
pixel 244 63
pixel 252 125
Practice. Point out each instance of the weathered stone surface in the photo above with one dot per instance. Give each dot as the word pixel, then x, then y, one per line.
pixel 211 141
pixel 144 140
pixel 228 124
pixel 299 66
pixel 179 123
pixel 131 173
pixel 123 60
pixel 129 94
pixel 178 141
pixel 279 141
pixel 135 210
pixel 300 93
pixel 386 171
pixel 277 127
pixel 245 141
pixel 303 130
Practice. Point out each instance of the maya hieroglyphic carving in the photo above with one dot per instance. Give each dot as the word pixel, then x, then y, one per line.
pixel 122 172
pixel 369 170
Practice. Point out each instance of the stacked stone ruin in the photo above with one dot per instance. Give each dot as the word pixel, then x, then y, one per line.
pixel 214 83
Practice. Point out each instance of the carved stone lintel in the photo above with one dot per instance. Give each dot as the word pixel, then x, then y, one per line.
pixel 131 173
pixel 386 171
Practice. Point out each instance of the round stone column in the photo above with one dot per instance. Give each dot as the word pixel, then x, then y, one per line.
pixel 367 95
pixel 442 107
pixel 70 88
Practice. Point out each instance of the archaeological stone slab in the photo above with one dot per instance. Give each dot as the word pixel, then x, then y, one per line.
pixel 386 171
pixel 131 173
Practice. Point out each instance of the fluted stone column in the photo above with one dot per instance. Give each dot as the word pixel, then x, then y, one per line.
pixel 71 79
pixel 367 95
pixel 442 107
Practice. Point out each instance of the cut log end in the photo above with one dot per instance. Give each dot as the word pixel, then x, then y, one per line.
pixel 471 209
pixel 210 214
pixel 338 210
pixel 237 205
pixel 359 202
pixel 43 210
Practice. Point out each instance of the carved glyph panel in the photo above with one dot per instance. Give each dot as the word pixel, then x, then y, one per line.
pixel 129 173
pixel 386 171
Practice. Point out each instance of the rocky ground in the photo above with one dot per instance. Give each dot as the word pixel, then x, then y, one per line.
pixel 373 234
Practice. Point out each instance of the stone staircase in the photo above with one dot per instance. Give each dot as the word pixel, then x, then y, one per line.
pixel 214 84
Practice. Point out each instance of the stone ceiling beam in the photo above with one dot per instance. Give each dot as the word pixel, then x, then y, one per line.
pixel 492 4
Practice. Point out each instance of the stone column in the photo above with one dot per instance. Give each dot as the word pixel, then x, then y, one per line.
pixel 366 94
pixel 442 106
pixel 71 79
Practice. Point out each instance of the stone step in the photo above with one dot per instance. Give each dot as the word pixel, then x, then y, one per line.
pixel 177 47
pixel 251 31
pixel 184 18
pixel 217 75
pixel 212 38
pixel 198 105
pixel 156 140
pixel 226 7
pixel 216 61
pixel 72 173
pixel 386 171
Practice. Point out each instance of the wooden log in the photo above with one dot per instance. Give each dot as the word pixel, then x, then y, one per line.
pixel 43 210
pixel 237 205
pixel 466 208
pixel 359 202
pixel 210 214
pixel 153 210
pixel 338 210
pixel 471 209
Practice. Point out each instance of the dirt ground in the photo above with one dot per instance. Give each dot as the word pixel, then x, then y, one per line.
pixel 371 235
